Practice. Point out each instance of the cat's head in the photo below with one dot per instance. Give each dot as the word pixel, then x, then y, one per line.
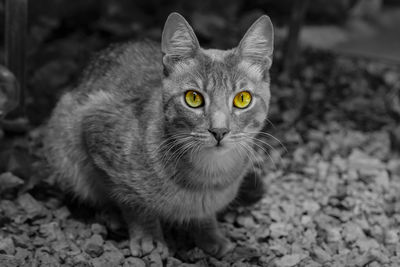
pixel 216 99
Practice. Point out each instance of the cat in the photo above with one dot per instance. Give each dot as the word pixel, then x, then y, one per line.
pixel 164 133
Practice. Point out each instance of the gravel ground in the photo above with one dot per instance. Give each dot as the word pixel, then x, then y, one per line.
pixel 332 188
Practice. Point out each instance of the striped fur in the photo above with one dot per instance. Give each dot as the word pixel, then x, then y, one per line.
pixel 125 136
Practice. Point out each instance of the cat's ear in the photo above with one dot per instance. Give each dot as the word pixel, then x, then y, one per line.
pixel 257 45
pixel 178 40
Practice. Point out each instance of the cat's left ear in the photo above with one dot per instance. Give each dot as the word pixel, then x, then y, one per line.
pixel 257 46
pixel 178 40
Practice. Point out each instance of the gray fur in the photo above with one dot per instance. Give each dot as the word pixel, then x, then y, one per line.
pixel 108 138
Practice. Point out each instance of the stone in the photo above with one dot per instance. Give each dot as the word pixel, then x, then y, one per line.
pixel 7 246
pixel 154 259
pixel 320 255
pixel 136 262
pixel 22 254
pixel 391 237
pixel 9 182
pixel 290 260
pixel 8 208
pixel 173 262
pixel 94 246
pixel 366 244
pixel 278 230
pixel 9 261
pixel 358 160
pixel 51 231
pixel 62 213
pixel 246 221
pixel 333 235
pixel 99 229
pixel 32 207
pixel 352 232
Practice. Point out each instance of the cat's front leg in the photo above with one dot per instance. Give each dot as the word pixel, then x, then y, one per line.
pixel 145 233
pixel 209 237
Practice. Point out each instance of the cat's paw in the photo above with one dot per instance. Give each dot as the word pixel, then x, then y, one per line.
pixel 217 247
pixel 144 245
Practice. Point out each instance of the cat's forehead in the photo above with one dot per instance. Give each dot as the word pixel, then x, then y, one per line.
pixel 216 55
pixel 218 71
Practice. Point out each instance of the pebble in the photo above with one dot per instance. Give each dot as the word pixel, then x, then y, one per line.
pixel 136 262
pixel 154 259
pixel 352 232
pixel 62 213
pixel 32 207
pixel 333 235
pixel 320 254
pixel 51 231
pixel 22 253
pixel 246 221
pixel 99 229
pixel 391 237
pixel 173 262
pixel 94 246
pixel 278 230
pixel 7 246
pixel 290 260
pixel 9 261
pixel 9 182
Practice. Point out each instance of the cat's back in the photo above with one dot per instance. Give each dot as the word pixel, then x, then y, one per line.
pixel 126 67
pixel 121 76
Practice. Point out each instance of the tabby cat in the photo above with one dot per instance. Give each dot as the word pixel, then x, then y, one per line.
pixel 164 133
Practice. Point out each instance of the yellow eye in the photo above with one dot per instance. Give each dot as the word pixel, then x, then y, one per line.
pixel 242 99
pixel 194 99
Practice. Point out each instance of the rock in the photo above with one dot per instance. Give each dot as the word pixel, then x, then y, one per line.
pixel 62 213
pixel 136 262
pixel 391 237
pixel 311 206
pixel 9 261
pixel 9 182
pixel 352 232
pixel 22 254
pixel 8 208
pixel 51 231
pixel 360 161
pixel 246 221
pixel 278 230
pixel 108 258
pixel 290 260
pixel 22 240
pixel 320 255
pixel 173 262
pixel 394 166
pixel 44 258
pixel 99 229
pixel 7 246
pixel 366 244
pixel 154 259
pixel 33 208
pixel 333 235
pixel 94 246
pixel 230 217
pixel 126 252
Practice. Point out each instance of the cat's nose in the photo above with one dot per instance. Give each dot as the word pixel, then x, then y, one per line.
pixel 219 133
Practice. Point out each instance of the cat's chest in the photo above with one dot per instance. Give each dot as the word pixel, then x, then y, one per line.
pixel 188 204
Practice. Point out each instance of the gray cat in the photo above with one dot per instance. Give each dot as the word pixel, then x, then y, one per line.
pixel 165 134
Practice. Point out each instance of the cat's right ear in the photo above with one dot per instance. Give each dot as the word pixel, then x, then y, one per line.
pixel 178 41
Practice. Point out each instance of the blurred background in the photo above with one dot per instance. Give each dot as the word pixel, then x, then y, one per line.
pixel 62 35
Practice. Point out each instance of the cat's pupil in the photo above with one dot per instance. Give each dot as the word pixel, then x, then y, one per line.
pixel 242 97
pixel 194 96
